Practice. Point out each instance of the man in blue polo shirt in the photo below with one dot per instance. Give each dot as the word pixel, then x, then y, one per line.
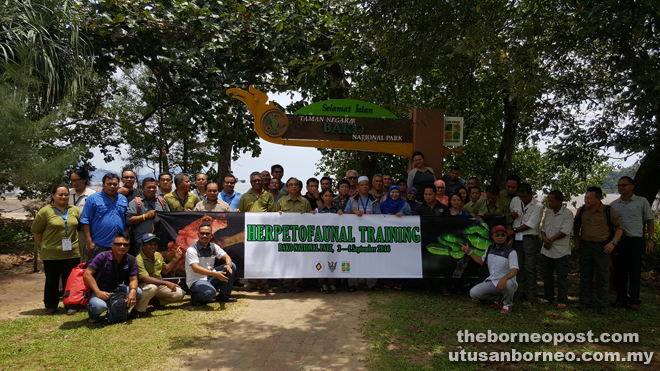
pixel 228 194
pixel 104 216
pixel 502 260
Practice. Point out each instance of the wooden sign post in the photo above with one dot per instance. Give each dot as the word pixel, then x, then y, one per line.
pixel 350 124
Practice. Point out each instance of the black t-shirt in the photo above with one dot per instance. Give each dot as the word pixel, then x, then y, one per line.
pixel 312 201
pixel 438 209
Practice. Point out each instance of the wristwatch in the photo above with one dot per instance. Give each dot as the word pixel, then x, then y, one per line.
pixel 615 242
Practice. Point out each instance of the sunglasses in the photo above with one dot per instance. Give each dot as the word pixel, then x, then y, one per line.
pixel 121 244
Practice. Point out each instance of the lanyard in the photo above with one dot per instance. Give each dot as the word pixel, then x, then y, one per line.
pixel 364 206
pixel 66 226
pixel 522 207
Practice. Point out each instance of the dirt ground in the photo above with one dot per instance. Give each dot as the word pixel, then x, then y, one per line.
pixel 21 293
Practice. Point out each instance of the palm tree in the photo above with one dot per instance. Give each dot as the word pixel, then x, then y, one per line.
pixel 42 49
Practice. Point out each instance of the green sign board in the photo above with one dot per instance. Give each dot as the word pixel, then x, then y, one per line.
pixel 345 108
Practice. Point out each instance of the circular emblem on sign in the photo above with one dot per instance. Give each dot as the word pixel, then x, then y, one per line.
pixel 318 266
pixel 274 123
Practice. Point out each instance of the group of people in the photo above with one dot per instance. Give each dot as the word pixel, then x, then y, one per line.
pixel 121 250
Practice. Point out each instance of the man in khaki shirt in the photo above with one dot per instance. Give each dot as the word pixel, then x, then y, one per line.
pixel 211 203
pixel 293 203
pixel 257 199
pixel 591 233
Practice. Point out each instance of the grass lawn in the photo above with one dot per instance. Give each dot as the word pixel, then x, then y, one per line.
pixel 158 341
pixel 412 330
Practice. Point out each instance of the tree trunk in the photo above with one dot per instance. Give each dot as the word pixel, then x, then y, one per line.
pixel 224 158
pixel 646 184
pixel 508 144
pixel 164 163
pixel 370 165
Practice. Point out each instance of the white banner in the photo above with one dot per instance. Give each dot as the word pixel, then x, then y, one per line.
pixel 295 245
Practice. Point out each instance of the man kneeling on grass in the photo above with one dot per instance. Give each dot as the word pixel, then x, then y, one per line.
pixel 116 269
pixel 502 260
pixel 151 267
pixel 202 276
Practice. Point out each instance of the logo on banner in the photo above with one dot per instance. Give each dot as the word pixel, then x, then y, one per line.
pixel 318 266
pixel 332 266
pixel 345 267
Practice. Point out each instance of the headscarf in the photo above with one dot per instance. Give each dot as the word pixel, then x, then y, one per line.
pixel 413 204
pixel 442 198
pixel 389 206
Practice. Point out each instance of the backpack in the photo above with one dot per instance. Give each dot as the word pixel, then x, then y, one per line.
pixel 76 294
pixel 608 216
pixel 138 202
pixel 117 308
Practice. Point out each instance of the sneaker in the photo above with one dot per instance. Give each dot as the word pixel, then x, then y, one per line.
pixel 543 301
pixel 324 288
pixel 71 312
pixel 225 299
pixel 389 285
pixel 332 289
pixel 50 311
pixel 506 309
pixel 497 303
pixel 634 307
pixel 561 306
pixel 94 320
pixel 398 287
pixel 300 289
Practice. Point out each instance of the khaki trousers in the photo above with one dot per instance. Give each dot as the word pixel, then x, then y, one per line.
pixel 161 292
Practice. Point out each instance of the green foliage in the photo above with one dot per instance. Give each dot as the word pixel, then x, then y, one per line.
pixel 15 236
pixel 31 157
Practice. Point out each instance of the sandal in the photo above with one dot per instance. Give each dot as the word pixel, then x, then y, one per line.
pixel 543 301
pixel 561 306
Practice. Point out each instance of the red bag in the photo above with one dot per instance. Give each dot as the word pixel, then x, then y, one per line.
pixel 76 293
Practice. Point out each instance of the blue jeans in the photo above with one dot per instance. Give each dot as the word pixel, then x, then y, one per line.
pixel 97 306
pixel 203 291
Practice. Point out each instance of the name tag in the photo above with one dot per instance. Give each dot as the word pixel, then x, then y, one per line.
pixel 519 236
pixel 66 244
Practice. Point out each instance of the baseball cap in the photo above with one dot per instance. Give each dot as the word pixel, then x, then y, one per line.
pixel 149 236
pixel 498 228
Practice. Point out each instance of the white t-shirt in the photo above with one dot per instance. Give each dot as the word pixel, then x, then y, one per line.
pixel 205 257
pixel 500 262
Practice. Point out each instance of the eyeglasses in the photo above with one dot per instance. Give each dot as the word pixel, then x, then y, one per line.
pixel 121 244
pixel 622 185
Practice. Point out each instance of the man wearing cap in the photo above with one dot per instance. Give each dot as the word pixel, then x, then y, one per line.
pixel 203 277
pixel 502 260
pixel 151 268
pixel 363 202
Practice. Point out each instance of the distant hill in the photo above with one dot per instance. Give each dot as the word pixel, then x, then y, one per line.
pixel 98 174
